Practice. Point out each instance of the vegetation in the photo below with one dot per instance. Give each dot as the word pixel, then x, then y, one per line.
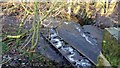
pixel 111 49
pixel 80 12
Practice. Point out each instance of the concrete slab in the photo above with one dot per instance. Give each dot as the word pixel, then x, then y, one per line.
pixel 73 34
pixel 95 32
pixel 115 32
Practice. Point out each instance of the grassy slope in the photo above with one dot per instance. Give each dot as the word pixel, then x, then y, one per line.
pixel 111 49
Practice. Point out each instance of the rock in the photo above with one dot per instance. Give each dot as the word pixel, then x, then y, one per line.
pixel 74 35
pixel 115 32
pixel 104 22
pixel 95 32
pixel 47 50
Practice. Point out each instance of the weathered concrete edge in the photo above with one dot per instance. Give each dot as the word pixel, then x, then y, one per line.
pixel 115 32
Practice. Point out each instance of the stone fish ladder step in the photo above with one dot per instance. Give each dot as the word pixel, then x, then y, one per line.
pixel 68 52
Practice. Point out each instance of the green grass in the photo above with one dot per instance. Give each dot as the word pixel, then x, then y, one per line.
pixel 111 49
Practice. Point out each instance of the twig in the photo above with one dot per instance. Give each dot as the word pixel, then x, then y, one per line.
pixel 38 23
pixel 27 40
pixel 33 25
pixel 26 9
